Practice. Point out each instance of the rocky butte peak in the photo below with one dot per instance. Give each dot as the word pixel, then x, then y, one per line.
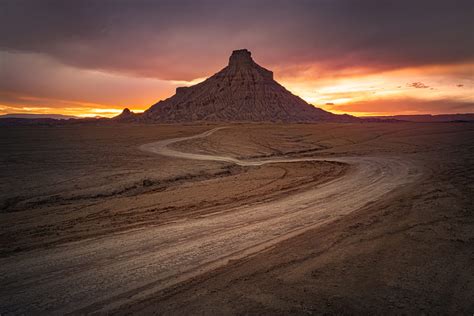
pixel 242 67
pixel 240 57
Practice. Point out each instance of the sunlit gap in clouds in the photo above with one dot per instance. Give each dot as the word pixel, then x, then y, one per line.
pixel 422 84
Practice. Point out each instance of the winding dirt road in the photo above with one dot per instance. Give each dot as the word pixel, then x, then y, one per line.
pixel 101 274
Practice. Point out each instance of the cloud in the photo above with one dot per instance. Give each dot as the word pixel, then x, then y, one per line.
pixel 26 77
pixel 407 106
pixel 184 40
pixel 418 85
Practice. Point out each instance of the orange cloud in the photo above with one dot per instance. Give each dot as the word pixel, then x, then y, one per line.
pixel 397 106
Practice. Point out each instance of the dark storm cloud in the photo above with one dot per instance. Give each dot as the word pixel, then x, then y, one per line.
pixel 189 39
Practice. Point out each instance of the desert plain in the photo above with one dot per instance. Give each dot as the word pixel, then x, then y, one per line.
pixel 242 219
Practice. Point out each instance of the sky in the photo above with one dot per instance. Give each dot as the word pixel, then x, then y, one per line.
pixel 362 57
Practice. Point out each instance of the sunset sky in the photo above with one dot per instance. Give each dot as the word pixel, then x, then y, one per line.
pixel 89 58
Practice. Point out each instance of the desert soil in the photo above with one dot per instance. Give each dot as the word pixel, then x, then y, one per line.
pixel 275 219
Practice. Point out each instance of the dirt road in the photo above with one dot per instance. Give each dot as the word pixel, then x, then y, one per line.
pixel 103 273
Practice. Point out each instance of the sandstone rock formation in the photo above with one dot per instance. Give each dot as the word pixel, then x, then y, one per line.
pixel 242 91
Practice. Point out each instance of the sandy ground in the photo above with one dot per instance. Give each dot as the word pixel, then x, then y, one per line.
pixel 383 223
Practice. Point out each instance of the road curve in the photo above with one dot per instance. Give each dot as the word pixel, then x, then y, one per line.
pixel 103 273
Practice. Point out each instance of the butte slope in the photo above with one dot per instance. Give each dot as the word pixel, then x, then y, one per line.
pixel 241 92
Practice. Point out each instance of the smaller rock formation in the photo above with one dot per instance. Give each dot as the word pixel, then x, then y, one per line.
pixel 125 116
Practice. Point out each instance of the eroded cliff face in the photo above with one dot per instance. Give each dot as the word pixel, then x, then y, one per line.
pixel 242 91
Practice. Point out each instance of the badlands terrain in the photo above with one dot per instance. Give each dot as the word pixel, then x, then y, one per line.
pixel 237 218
